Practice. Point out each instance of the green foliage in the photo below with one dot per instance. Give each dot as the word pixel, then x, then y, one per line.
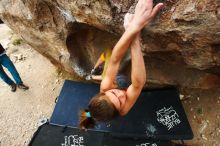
pixel 17 42
pixel 199 111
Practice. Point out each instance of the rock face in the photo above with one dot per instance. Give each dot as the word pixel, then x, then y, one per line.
pixel 181 46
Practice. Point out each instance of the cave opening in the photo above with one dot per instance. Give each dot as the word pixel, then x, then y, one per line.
pixel 85 44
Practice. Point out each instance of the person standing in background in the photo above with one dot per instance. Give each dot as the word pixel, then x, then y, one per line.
pixel 7 63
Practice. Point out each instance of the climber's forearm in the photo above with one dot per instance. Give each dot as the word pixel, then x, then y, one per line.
pixel 138 71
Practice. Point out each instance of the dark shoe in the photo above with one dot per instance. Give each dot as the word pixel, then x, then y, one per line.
pixel 13 87
pixel 22 86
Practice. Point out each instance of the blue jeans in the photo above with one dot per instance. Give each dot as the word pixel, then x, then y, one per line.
pixel 7 63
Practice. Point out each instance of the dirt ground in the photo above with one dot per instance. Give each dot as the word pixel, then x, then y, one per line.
pixel 20 112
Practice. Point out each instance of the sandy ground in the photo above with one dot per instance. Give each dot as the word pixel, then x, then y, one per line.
pixel 20 112
pixel 203 111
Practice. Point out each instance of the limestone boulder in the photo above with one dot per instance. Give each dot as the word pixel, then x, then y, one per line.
pixel 181 46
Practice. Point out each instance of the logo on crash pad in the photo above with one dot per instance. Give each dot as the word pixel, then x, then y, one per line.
pixel 168 117
pixel 73 140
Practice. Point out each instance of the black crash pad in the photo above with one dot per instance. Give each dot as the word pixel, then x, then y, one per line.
pixel 53 135
pixel 115 141
pixel 157 114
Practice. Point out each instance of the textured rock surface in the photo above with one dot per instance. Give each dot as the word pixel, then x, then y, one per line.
pixel 181 46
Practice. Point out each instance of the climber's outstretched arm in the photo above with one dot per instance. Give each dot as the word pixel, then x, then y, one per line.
pixel 144 12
